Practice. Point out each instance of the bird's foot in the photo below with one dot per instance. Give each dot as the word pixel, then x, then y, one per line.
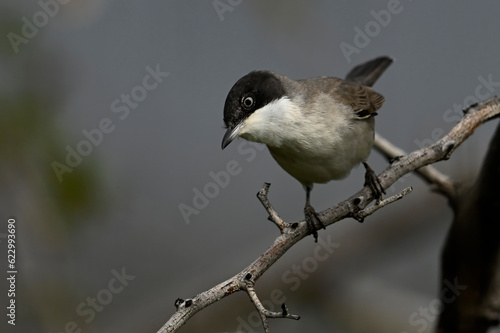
pixel 372 181
pixel 313 221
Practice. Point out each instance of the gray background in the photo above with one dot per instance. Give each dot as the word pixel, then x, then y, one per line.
pixel 119 208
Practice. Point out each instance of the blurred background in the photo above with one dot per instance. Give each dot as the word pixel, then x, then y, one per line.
pixel 111 165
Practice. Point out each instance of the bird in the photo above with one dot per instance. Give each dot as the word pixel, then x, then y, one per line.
pixel 316 129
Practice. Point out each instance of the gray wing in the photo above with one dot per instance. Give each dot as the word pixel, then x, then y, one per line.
pixel 358 96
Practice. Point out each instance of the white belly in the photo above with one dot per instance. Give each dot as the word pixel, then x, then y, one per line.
pixel 331 160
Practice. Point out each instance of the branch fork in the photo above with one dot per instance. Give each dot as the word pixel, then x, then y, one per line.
pixel 249 287
pixel 360 215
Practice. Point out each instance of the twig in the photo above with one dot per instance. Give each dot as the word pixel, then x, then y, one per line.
pixel 292 233
pixel 263 312
pixel 361 215
pixel 273 216
pixel 443 183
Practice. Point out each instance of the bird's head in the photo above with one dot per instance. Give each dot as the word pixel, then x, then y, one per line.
pixel 249 94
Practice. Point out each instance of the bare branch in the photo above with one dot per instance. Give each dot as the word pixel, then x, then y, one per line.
pixel 291 233
pixel 443 183
pixel 263 312
pixel 273 216
pixel 361 215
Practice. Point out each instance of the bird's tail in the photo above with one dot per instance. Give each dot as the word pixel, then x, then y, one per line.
pixel 369 72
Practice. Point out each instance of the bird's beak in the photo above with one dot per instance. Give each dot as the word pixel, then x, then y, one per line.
pixel 231 134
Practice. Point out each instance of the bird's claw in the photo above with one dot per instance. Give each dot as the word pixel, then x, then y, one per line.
pixel 372 181
pixel 313 221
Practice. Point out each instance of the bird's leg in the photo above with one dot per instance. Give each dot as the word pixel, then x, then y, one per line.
pixel 372 181
pixel 312 218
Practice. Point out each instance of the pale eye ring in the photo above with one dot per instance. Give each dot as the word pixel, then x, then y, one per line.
pixel 248 102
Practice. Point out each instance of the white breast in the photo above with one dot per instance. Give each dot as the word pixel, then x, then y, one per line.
pixel 314 144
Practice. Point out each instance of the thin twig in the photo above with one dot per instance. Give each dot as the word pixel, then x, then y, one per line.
pixel 263 312
pixel 273 216
pixel 362 214
pixel 443 183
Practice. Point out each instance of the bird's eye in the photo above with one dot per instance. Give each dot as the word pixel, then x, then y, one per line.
pixel 248 102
